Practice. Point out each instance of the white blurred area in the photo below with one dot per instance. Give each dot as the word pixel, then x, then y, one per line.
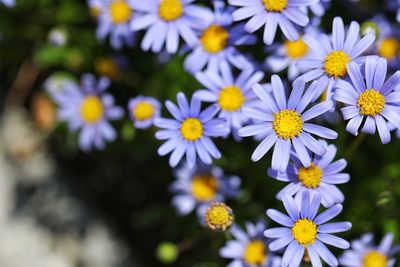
pixel 50 228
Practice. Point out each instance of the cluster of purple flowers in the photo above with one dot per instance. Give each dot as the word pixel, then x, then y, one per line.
pixel 349 69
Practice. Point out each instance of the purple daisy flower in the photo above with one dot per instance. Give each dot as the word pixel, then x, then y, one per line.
pixel 271 13
pixel 319 178
pixel 284 123
pixel 218 42
pixel 318 9
pixel 9 3
pixel 305 232
pixel 371 98
pixel 143 110
pixel 365 254
pixel 89 109
pixel 114 18
pixel 190 131
pixel 167 20
pixel 329 56
pixel 196 188
pixel 249 248
pixel 229 93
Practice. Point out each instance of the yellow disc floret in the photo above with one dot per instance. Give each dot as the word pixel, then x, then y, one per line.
pixel 296 49
pixel 143 111
pixel 304 231
pixel 219 216
pixel 120 11
pixel 231 98
pixel 204 188
pixel 389 48
pixel 275 5
pixel 336 63
pixel 214 39
pixel 287 124
pixel 91 109
pixel 374 259
pixel 170 10
pixel 255 253
pixel 191 129
pixel 371 102
pixel 311 176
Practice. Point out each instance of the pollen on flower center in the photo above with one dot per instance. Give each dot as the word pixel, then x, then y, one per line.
pixel 143 111
pixel 296 49
pixel 120 11
pixel 91 109
pixel 255 253
pixel 336 64
pixel 304 231
pixel 170 10
pixel 231 98
pixel 219 216
pixel 287 124
pixel 371 102
pixel 311 176
pixel 374 259
pixel 389 48
pixel 192 129
pixel 204 188
pixel 275 5
pixel 214 39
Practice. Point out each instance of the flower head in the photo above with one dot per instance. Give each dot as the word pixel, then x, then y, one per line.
pixel 168 20
pixel 9 3
pixel 250 247
pixel 271 13
pixel 114 18
pixel 284 123
pixel 218 42
pixel 196 188
pixel 89 109
pixel 319 178
pixel 364 253
pixel 370 99
pixel 305 232
pixel 190 131
pixel 219 216
pixel 143 110
pixel 329 56
pixel 230 93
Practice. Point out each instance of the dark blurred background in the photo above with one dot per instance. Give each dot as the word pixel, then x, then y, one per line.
pixel 61 207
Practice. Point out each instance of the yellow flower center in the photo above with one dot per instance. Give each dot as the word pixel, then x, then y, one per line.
pixel 106 66
pixel 311 176
pixel 170 10
pixel 336 64
pixel 275 5
pixel 219 216
pixel 255 253
pixel 374 259
pixel 204 188
pixel 287 124
pixel 92 109
pixel 231 98
pixel 304 231
pixel 389 48
pixel 192 129
pixel 120 11
pixel 371 102
pixel 296 49
pixel 214 39
pixel 143 111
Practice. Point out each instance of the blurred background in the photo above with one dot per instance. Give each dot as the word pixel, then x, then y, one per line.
pixel 60 207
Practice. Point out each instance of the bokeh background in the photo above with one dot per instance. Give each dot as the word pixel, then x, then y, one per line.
pixel 62 207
